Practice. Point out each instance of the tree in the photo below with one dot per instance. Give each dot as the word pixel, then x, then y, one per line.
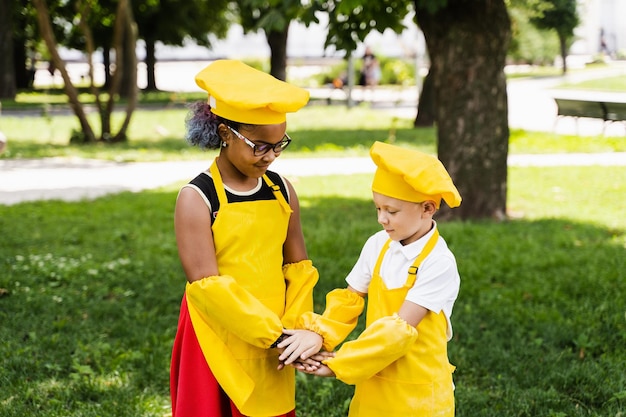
pixel 8 89
pixel 273 17
pixel 123 24
pixel 561 16
pixel 172 22
pixel 467 42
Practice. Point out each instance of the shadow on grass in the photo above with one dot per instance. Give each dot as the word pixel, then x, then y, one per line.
pixel 90 294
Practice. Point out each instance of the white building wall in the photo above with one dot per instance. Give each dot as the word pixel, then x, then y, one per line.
pixel 597 15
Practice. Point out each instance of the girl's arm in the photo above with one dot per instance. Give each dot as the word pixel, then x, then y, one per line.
pixel 192 222
pixel 294 248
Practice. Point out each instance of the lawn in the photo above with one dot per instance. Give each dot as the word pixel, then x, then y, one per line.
pixel 90 291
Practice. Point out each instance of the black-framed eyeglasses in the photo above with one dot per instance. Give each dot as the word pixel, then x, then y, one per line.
pixel 264 148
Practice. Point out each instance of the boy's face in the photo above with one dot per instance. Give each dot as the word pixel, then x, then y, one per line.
pixel 404 221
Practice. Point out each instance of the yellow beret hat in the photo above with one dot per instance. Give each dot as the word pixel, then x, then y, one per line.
pixel 411 176
pixel 243 94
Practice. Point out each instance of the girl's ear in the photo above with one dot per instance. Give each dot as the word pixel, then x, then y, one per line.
pixel 222 131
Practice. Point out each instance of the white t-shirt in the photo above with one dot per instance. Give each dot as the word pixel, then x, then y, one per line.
pixel 437 284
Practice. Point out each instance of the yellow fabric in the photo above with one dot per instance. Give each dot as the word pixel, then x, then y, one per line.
pixel 411 176
pixel 300 277
pixel 380 344
pixel 248 242
pixel 340 317
pixel 243 94
pixel 419 382
pixel 222 301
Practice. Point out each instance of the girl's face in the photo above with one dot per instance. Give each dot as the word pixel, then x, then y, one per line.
pixel 404 221
pixel 266 140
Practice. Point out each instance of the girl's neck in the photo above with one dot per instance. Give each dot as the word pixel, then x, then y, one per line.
pixel 234 178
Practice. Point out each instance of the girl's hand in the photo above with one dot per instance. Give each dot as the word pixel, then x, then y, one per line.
pixel 299 345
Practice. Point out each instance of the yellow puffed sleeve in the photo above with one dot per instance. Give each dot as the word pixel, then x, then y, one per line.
pixel 219 299
pixel 300 278
pixel 343 308
pixel 383 342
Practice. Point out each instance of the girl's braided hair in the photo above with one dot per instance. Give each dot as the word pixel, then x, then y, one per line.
pixel 201 126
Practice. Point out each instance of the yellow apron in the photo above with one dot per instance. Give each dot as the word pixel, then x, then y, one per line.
pixel 249 239
pixel 419 383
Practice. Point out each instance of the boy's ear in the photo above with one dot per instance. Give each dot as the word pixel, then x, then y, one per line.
pixel 429 207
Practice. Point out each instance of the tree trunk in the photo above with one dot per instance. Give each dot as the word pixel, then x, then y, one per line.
pixel 8 89
pixel 563 45
pixel 150 65
pixel 277 42
pixel 106 62
pixel 467 41
pixel 426 104
pixel 45 27
pixel 129 75
pixel 129 38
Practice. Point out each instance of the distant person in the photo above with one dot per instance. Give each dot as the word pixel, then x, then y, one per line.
pixel 604 48
pixel 370 70
pixel 399 363
pixel 242 250
pixel 3 142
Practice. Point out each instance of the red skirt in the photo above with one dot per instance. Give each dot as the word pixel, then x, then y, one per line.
pixel 193 388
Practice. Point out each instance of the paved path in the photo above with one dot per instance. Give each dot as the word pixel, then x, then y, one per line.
pixel 77 179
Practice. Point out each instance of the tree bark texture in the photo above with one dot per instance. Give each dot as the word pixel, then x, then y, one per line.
pixel 277 40
pixel 8 87
pixel 467 42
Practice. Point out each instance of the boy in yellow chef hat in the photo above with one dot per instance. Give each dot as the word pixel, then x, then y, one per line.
pixel 399 363
pixel 241 247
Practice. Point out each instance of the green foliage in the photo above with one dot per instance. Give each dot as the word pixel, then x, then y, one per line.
pixel 351 21
pixel 173 22
pixel 530 45
pixel 558 15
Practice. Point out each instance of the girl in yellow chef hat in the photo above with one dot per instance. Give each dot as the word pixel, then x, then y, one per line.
pixel 399 364
pixel 241 247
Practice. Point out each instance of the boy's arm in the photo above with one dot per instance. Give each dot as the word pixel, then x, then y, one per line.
pixel 382 343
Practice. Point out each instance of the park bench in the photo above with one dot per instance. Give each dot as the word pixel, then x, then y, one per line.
pixel 615 112
pixel 602 108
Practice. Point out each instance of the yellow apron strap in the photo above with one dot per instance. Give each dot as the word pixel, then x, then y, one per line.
pixel 217 182
pixel 279 196
pixel 381 255
pixel 428 248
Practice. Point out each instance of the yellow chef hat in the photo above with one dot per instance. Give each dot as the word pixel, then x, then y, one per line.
pixel 243 94
pixel 411 176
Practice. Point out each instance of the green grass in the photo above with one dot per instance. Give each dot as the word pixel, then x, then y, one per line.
pixel 319 131
pixel 611 84
pixel 90 291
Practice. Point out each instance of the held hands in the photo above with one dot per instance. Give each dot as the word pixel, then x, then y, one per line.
pixel 320 369
pixel 301 350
